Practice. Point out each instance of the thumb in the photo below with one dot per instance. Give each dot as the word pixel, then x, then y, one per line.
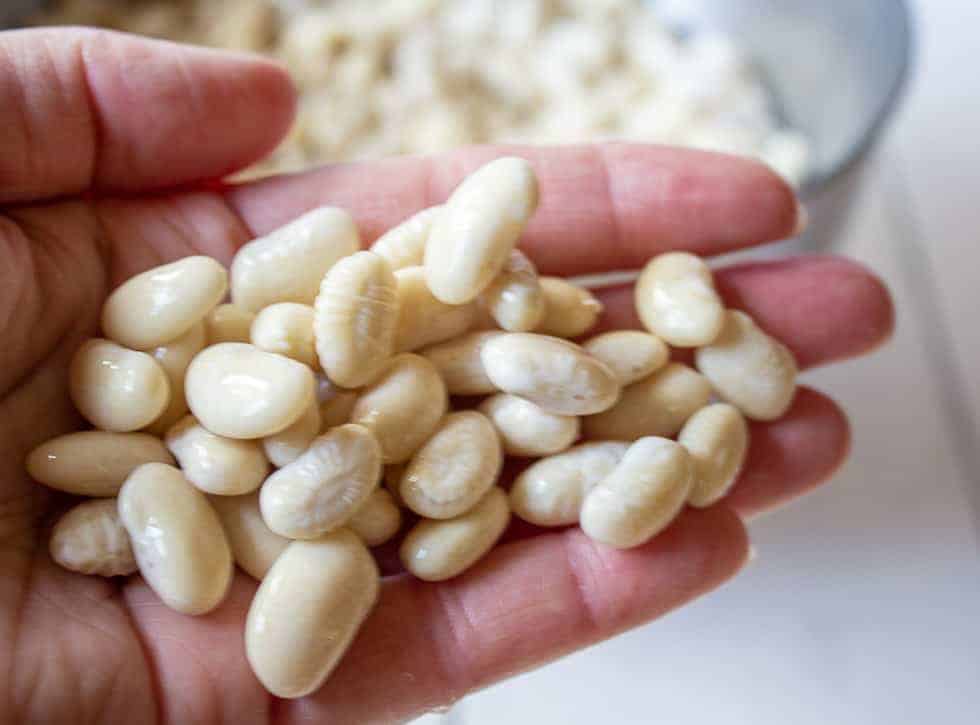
pixel 88 109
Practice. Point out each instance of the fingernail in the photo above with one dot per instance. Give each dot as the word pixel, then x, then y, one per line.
pixel 802 219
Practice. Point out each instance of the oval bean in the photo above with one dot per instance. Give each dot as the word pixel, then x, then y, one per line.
pixel 458 362
pixel 323 488
pixel 515 298
pixel 289 444
pixel 403 407
pixel 423 319
pixel 749 369
pixel 90 539
pixel 569 310
pixel 631 355
pixel 177 538
pixel 527 430
pixel 641 496
pixel 356 318
pixel 455 467
pixel 174 358
pixel 392 479
pixel 471 239
pixel 161 304
pixel 676 300
pixel 254 545
pixel 439 550
pixel 717 439
pixel 215 464
pixel 307 610
pixel 117 389
pixel 286 328
pixel 239 391
pixel 378 519
pixel 404 245
pixel 556 375
pixel 656 406
pixel 229 323
pixel 550 492
pixel 287 264
pixel 93 462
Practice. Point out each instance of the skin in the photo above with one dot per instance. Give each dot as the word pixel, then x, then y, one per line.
pixel 108 157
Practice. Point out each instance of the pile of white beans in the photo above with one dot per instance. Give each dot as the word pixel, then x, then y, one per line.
pixel 385 77
pixel 286 430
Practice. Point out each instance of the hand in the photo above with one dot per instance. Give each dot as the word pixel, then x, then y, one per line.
pixel 108 142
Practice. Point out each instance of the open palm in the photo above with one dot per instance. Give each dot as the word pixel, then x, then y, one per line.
pixel 107 144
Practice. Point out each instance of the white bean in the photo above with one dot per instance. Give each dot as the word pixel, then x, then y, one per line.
pixel 287 264
pixel 215 464
pixel 515 298
pixel 307 610
pixel 286 328
pixel 556 375
pixel 632 355
pixel 93 462
pixel 749 369
pixel 527 430
pixel 717 439
pixel 254 545
pixel 478 227
pixel 641 496
pixel 239 391
pixel 323 488
pixel 439 550
pixel 656 406
pixel 423 319
pixel 90 539
pixel 570 310
pixel 458 362
pixel 356 318
pixel 177 538
pixel 676 300
pixel 161 304
pixel 455 467
pixel 404 245
pixel 378 519
pixel 117 389
pixel 550 492
pixel 403 407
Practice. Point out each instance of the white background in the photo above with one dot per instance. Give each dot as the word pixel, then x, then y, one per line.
pixel 863 603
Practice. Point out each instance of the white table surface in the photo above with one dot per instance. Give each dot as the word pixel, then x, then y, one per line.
pixel 863 603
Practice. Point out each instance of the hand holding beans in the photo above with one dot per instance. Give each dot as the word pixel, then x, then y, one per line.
pixel 308 370
pixel 85 206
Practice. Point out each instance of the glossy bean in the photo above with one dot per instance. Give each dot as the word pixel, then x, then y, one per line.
pixel 177 538
pixel 115 388
pixel 403 407
pixel 471 239
pixel 161 304
pixel 307 610
pixel 439 550
pixel 641 496
pixel 288 264
pixel 239 391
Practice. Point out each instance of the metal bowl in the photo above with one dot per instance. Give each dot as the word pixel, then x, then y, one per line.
pixel 837 69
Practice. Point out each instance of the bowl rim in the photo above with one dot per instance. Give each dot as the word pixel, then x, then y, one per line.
pixel 866 141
